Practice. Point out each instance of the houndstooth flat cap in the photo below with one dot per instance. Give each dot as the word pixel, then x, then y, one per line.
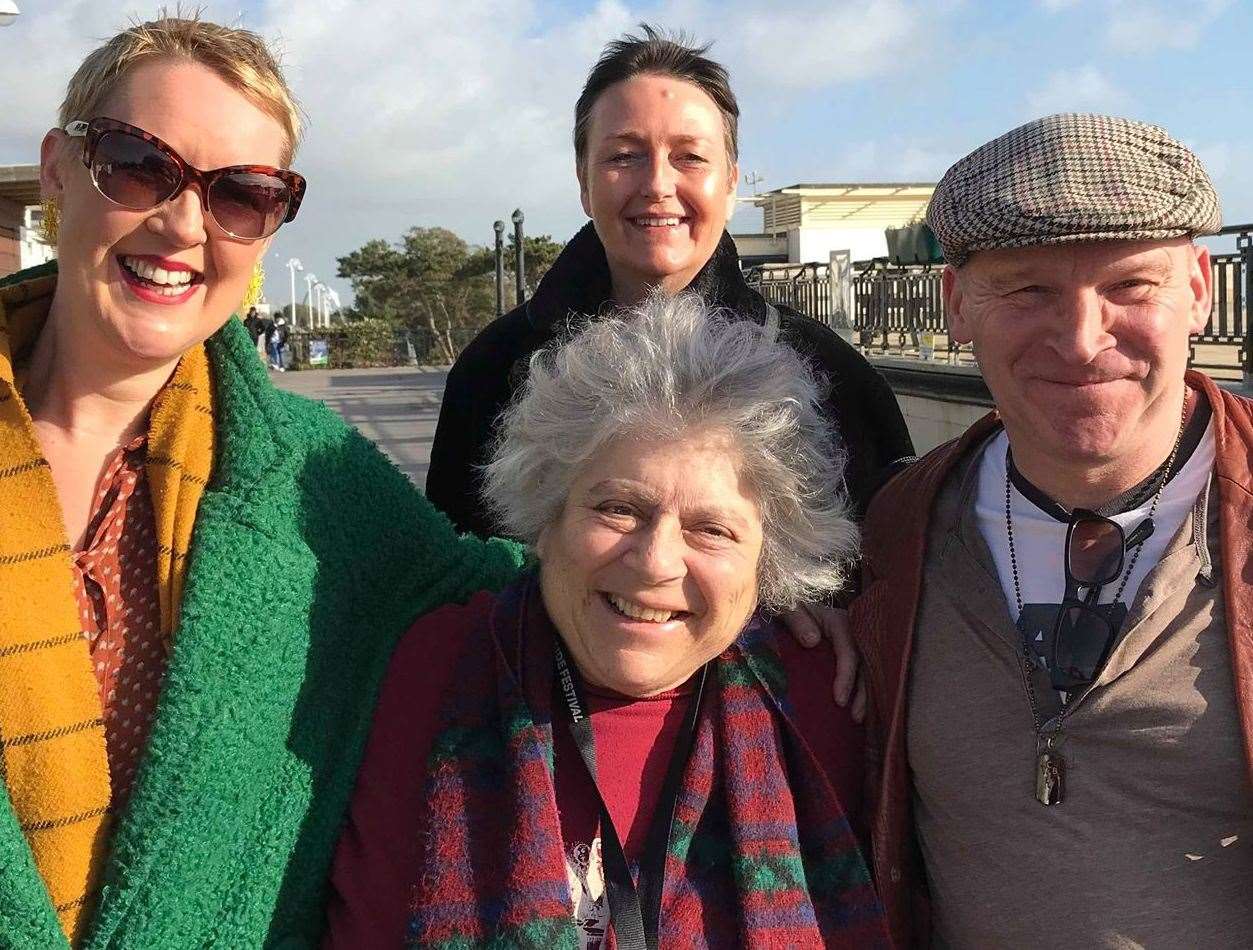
pixel 1067 178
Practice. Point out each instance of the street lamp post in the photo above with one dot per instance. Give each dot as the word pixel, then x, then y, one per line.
pixel 8 12
pixel 519 262
pixel 310 280
pixel 322 289
pixel 294 265
pixel 499 228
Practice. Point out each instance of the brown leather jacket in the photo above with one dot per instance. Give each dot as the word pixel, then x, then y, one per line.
pixel 883 619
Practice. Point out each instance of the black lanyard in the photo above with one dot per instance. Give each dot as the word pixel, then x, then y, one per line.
pixel 635 912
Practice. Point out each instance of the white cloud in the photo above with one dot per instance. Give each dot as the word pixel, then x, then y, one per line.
pixel 38 54
pixel 893 159
pixel 1217 157
pixel 1145 26
pixel 1230 166
pixel 815 44
pixel 1085 89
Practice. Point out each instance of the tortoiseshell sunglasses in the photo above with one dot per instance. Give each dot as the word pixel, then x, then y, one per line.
pixel 138 171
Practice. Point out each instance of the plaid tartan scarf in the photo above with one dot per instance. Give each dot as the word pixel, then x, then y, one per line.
pixel 761 854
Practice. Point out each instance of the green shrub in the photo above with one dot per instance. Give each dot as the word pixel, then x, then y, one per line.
pixel 356 345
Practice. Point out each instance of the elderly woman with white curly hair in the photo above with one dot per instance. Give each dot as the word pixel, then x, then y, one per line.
pixel 621 749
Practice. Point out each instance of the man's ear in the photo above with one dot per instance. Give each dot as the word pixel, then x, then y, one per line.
pixel 1201 280
pixel 959 328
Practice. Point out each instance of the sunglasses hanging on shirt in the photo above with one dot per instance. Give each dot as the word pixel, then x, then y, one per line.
pixel 1084 631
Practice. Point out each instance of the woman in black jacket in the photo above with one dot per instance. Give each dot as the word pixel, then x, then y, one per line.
pixel 655 139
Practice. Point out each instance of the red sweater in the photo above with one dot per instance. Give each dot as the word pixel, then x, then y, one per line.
pixel 378 853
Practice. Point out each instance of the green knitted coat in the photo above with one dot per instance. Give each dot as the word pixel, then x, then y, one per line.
pixel 311 555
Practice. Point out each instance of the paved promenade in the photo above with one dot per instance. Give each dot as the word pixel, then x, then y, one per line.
pixel 396 407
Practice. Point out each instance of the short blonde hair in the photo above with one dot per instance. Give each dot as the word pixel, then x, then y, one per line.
pixel 240 57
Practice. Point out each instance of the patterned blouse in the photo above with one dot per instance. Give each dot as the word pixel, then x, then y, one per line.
pixel 115 581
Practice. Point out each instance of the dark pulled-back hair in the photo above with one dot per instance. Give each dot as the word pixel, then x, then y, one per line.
pixel 658 54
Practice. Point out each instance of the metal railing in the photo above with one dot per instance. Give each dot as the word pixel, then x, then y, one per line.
pixel 397 347
pixel 1229 326
pixel 803 287
pixel 900 310
pixel 900 304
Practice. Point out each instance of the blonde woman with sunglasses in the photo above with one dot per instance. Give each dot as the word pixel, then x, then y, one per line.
pixel 201 578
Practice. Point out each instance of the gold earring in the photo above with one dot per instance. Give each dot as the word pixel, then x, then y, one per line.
pixel 256 287
pixel 49 221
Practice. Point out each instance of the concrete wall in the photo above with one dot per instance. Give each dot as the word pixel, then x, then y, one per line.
pixel 34 250
pixel 932 422
pixel 10 253
pixel 806 245
pixel 938 400
pixel 11 221
pixel 761 246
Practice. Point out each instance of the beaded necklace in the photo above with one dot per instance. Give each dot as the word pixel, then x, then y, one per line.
pixel 1050 766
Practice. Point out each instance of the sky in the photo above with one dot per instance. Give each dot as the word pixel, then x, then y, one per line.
pixel 456 113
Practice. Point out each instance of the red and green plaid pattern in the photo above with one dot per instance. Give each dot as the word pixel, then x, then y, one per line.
pixel 761 854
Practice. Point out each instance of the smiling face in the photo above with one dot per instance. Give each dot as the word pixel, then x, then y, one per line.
pixel 139 288
pixel 1084 346
pixel 649 573
pixel 656 181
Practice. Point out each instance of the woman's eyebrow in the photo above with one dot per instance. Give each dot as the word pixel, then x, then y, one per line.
pixel 714 513
pixel 632 136
pixel 621 486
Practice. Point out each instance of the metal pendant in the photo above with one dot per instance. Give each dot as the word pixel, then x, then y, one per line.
pixel 1050 778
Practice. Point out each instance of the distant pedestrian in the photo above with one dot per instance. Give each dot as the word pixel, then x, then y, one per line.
pixel 256 324
pixel 253 324
pixel 281 334
pixel 267 337
pixel 275 340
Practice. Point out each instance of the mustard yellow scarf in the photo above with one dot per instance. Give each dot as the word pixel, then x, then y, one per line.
pixel 52 744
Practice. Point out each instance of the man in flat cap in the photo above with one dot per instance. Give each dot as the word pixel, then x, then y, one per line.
pixel 1056 616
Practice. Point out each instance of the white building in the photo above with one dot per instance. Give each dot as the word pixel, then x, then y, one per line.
pixel 19 189
pixel 33 250
pixel 805 223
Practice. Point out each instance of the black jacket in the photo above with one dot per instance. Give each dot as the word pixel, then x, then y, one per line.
pixel 488 372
